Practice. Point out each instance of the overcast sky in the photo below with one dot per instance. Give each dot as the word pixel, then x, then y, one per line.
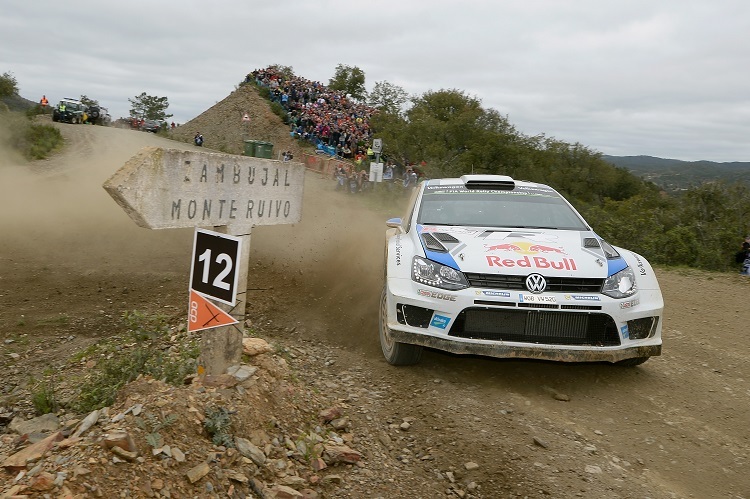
pixel 667 78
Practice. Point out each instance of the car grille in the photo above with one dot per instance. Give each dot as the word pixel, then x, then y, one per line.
pixel 554 284
pixel 530 326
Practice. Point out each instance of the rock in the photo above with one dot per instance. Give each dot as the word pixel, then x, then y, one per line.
pixel 330 414
pixel 561 396
pixel 43 424
pixel 594 470
pixel 283 492
pixel 250 451
pixel 333 454
pixel 471 466
pixel 178 455
pixel 121 439
pixel 340 423
pixel 32 453
pixel 241 372
pixel 255 346
pixel 87 423
pixel 541 443
pixel 318 464
pixel 43 481
pixel 295 482
pixel 197 472
pixel 126 455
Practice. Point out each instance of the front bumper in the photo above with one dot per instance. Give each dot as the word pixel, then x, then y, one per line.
pixel 559 326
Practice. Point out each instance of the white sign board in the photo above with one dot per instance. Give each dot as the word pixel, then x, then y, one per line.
pixel 376 172
pixel 169 188
pixel 377 146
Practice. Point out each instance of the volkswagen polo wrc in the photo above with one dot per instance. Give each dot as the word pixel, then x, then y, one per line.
pixel 492 266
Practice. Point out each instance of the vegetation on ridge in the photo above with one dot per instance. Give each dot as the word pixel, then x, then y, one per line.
pixel 449 133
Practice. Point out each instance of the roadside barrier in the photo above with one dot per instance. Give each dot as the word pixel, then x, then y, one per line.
pixel 323 164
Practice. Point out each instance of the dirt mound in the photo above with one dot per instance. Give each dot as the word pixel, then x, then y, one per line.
pixel 224 130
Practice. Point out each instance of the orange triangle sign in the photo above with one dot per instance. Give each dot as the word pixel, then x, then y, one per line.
pixel 202 314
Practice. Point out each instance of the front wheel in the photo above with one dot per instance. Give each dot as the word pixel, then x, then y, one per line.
pixel 396 353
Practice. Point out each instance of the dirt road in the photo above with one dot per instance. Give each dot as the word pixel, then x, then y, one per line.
pixel 677 426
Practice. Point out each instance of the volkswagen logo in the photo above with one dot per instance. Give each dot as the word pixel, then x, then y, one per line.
pixel 536 283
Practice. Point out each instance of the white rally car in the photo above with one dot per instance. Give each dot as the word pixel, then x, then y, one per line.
pixel 488 265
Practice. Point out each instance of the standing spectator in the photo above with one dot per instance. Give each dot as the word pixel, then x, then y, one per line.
pixel 44 103
pixel 743 258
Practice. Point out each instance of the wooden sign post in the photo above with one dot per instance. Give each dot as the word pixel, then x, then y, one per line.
pixel 169 188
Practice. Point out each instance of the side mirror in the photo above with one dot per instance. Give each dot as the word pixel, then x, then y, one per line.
pixel 393 223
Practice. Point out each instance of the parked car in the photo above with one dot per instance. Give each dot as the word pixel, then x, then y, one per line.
pixel 69 111
pixel 151 126
pixel 488 265
pixel 98 115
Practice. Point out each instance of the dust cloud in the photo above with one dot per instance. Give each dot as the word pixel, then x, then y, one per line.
pixel 54 214
pixel 330 264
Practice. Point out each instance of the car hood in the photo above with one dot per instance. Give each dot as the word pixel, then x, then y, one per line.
pixel 519 252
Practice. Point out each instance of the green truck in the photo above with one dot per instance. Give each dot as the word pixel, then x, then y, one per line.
pixel 69 111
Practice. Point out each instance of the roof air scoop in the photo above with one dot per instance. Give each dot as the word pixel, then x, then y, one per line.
pixel 489 182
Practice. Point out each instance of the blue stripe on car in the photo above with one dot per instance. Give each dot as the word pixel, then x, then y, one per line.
pixel 444 258
pixel 614 266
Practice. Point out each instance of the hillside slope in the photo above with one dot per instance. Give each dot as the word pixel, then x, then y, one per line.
pixel 674 174
pixel 223 129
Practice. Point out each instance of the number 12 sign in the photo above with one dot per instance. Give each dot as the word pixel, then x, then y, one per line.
pixel 214 269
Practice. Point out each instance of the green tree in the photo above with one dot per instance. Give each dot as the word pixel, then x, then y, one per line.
pixel 388 98
pixel 149 107
pixel 8 85
pixel 350 80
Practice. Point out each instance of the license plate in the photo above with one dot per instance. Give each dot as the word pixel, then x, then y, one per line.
pixel 537 299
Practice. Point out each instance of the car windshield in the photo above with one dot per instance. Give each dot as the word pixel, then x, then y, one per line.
pixel 524 207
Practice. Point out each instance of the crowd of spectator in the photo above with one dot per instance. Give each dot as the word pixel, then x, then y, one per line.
pixel 328 118
pixel 335 124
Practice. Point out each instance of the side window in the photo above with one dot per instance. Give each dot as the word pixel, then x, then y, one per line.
pixel 412 205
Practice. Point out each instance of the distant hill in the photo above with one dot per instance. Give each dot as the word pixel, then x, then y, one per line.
pixel 223 128
pixel 675 175
pixel 17 103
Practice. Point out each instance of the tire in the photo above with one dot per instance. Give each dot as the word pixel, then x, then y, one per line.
pixel 397 354
pixel 635 361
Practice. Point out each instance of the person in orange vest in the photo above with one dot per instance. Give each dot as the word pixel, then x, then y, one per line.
pixel 44 102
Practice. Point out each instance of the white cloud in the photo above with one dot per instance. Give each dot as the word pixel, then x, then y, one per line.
pixel 661 78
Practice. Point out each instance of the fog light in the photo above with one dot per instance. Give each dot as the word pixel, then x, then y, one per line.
pixel 642 328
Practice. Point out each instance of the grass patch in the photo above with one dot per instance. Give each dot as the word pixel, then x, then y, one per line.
pixel 31 140
pixel 148 353
pixel 43 397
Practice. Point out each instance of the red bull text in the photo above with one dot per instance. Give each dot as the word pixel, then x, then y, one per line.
pixel 538 262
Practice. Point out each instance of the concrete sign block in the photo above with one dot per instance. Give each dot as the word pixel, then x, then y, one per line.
pixel 169 188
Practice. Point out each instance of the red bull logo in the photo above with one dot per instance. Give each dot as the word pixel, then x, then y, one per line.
pixel 503 247
pixel 537 262
pixel 538 248
pixel 524 247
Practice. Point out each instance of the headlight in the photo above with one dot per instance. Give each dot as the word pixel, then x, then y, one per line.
pixel 620 285
pixel 437 275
